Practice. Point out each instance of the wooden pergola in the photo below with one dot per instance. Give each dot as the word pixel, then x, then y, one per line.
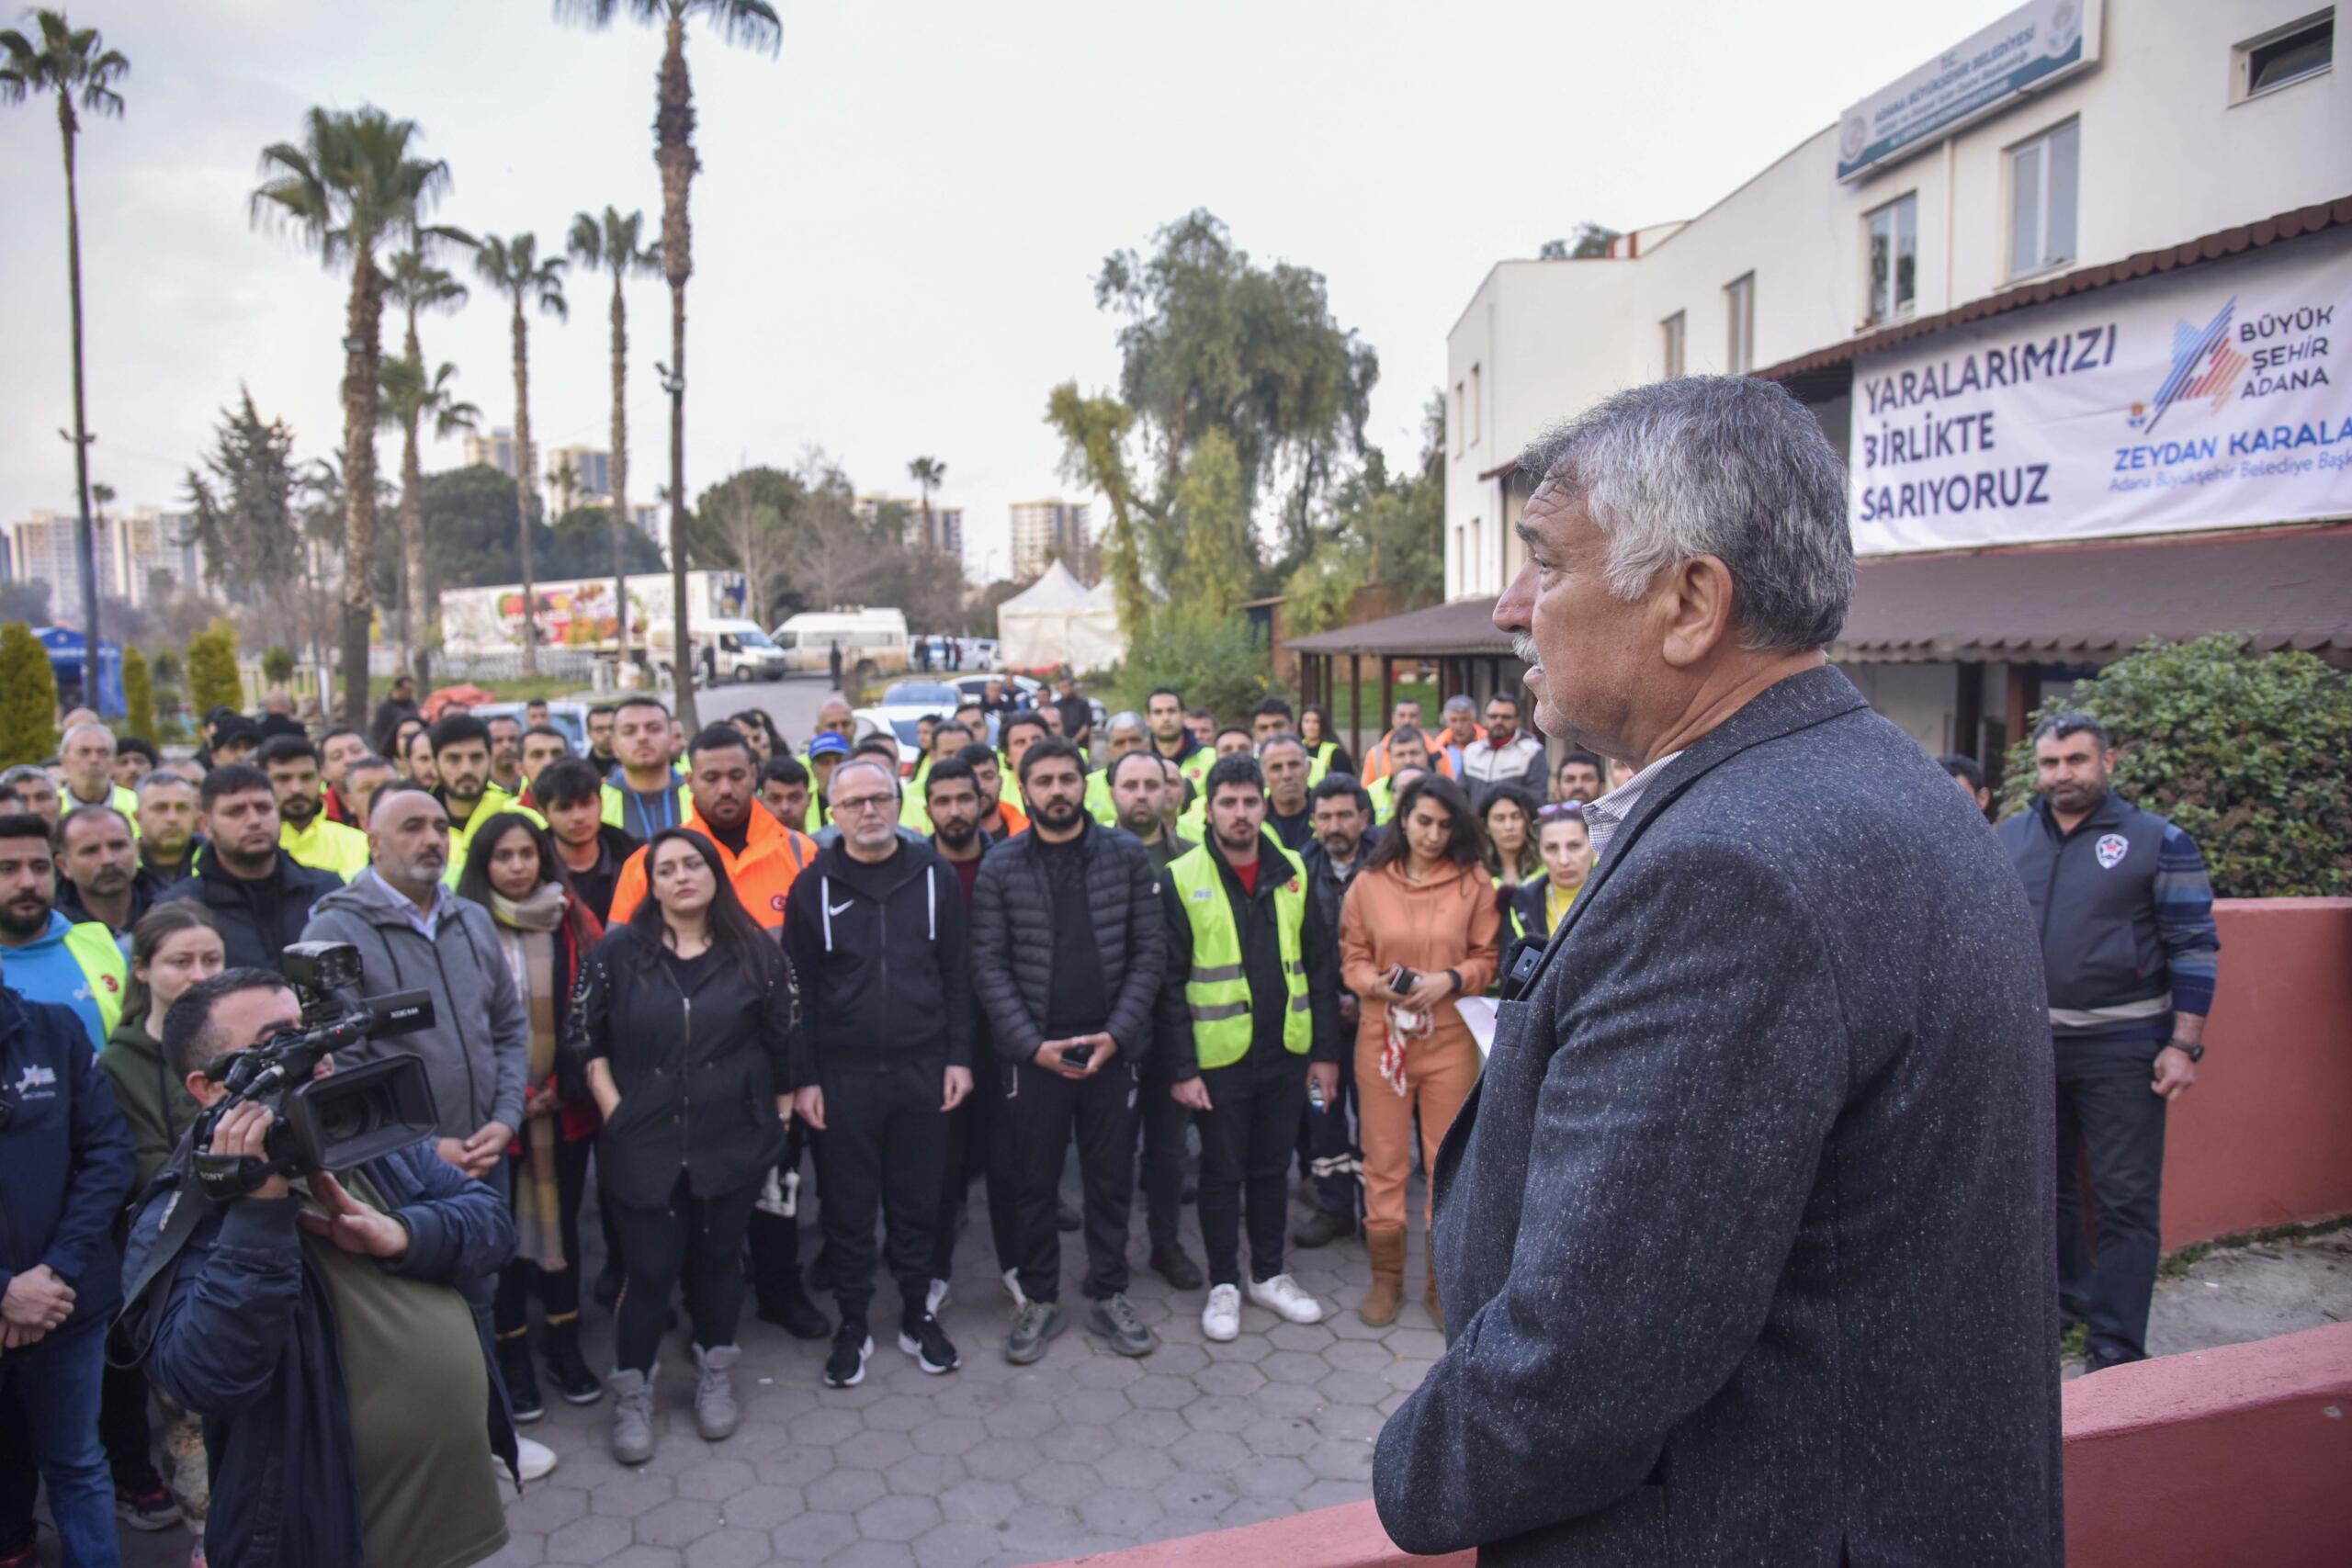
pixel 1458 640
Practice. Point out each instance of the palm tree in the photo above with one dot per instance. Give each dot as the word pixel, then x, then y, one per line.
pixel 929 474
pixel 417 285
pixel 751 22
pixel 349 186
pixel 410 398
pixel 513 268
pixel 615 244
pixel 70 64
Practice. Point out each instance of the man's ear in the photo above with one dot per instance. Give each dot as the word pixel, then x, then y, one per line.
pixel 1694 609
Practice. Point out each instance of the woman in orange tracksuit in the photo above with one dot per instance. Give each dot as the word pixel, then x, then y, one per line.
pixel 1423 902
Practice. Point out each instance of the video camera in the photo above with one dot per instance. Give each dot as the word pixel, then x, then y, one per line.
pixel 353 1115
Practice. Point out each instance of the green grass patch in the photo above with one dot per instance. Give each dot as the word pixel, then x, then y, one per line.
pixel 2177 1265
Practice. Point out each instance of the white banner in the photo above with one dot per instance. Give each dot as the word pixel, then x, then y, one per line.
pixel 2215 397
pixel 2034 47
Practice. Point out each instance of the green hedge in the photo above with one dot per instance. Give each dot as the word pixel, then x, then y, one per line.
pixel 2247 752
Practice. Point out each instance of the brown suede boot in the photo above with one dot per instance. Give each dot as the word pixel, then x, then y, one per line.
pixel 1387 1292
pixel 1437 1312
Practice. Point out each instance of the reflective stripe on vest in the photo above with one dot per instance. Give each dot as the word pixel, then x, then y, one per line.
pixel 1217 992
pixel 1320 762
pixel 100 957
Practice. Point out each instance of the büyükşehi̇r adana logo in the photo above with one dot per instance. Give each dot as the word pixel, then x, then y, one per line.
pixel 2205 364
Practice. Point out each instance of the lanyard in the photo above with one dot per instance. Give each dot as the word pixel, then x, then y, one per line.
pixel 669 810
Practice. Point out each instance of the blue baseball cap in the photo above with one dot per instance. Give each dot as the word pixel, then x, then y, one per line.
pixel 828 744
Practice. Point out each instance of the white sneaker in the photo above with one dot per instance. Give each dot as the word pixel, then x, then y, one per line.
pixel 937 1297
pixel 1013 1289
pixel 1281 1296
pixel 537 1459
pixel 1221 1319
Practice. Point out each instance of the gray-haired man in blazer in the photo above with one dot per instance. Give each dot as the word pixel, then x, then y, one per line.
pixel 1746 1241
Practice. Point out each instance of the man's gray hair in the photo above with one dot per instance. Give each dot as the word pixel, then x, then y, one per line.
pixel 1722 465
pixel 1127 719
pixel 86 729
pixel 1460 703
pixel 28 773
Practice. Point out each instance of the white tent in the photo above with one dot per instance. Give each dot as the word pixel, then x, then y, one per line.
pixel 1058 620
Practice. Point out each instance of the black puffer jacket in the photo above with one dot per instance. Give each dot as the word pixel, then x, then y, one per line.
pixel 699 1061
pixel 1012 939
pixel 886 953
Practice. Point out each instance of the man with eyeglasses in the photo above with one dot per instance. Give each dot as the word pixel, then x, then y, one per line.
pixel 1504 754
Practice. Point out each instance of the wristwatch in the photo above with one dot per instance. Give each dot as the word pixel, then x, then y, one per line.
pixel 2194 1052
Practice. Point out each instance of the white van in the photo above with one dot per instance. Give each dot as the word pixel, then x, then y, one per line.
pixel 726 650
pixel 873 642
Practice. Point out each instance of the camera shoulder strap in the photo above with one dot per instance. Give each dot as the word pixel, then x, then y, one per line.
pixel 149 1287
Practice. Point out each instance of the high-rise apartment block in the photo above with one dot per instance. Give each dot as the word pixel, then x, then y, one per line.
pixel 1044 531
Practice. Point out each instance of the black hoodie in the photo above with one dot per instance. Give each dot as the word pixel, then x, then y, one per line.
pixel 883 953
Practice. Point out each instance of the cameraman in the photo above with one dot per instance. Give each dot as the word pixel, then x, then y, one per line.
pixel 320 1326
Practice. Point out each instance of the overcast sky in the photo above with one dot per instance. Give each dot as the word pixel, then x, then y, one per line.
pixel 900 215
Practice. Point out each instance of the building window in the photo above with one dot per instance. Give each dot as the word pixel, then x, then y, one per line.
pixel 1460 560
pixel 2042 189
pixel 1671 329
pixel 2292 53
pixel 1477 399
pixel 1894 259
pixel 1459 427
pixel 1740 319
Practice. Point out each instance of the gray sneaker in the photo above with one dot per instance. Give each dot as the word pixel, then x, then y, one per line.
pixel 1032 1326
pixel 715 1412
pixel 1114 1319
pixel 632 1415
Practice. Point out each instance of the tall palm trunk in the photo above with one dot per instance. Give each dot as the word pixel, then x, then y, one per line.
pixel 411 563
pixel 361 367
pixel 621 463
pixel 673 150
pixel 527 488
pixel 85 554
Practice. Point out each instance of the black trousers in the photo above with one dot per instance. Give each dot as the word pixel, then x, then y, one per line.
pixel 775 1238
pixel 557 1289
pixel 882 1151
pixel 977 1147
pixel 1334 1156
pixel 1246 1140
pixel 1160 1126
pixel 1041 1108
pixel 697 1240
pixel 2105 1111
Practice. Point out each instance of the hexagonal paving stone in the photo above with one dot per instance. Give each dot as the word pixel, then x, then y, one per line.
pixel 955 1546
pixel 899 1413
pixel 845 1491
pixel 1276 1399
pixel 1121 1512
pixel 715 1479
pixel 897 1518
pixel 730 1549
pixel 1106 1371
pixel 760 1507
pixel 1153 1428
pixel 980 1502
pixel 631 1493
pixel 1354 1388
pixel 1076 1444
pixel 643 1556
pixel 1004 1460
pixel 1162 1391
pixel 924 1475
pixel 1021 1420
pixel 1358 1355
pixel 1127 1465
pixel 1341 1461
pixel 1246 1347
pixel 677 1521
pixel 1093 1407
pixel 949 1435
pixel 543 1508
pixel 1234 1378
pixel 1203 1494
pixel 1061 1483
pixel 1216 1413
pixel 874 1451
pixel 591 1540
pixel 1274 1475
pixel 812 1537
pixel 794 1465
pixel 1252 1511
pixel 1210 1453
pixel 873 1554
pixel 1295 1367
pixel 1273 1435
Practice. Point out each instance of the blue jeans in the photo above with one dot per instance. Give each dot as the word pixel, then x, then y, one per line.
pixel 56 1381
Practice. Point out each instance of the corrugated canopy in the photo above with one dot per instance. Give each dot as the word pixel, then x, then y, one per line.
pixel 2055 605
pixel 1464 626
pixel 2049 604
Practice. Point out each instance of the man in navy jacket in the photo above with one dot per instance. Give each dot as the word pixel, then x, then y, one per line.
pixel 351 1406
pixel 65 1167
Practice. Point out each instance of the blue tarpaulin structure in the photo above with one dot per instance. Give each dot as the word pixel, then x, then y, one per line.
pixel 66 648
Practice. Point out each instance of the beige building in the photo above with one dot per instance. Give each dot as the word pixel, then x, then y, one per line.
pixel 1045 531
pixel 495 450
pixel 579 476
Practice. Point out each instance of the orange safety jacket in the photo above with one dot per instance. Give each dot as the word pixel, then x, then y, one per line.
pixel 762 874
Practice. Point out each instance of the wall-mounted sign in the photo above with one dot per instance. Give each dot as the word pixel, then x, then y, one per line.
pixel 2027 50
pixel 2219 396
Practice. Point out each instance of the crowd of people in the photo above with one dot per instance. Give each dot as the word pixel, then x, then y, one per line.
pixel 707 979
